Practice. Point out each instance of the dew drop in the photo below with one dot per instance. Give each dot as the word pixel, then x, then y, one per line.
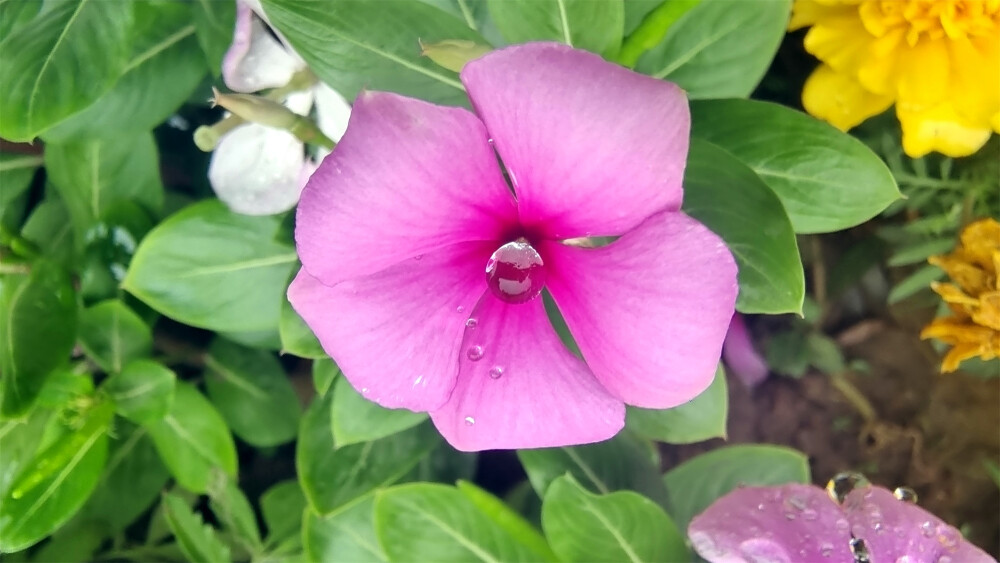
pixel 826 549
pixel 927 529
pixel 905 494
pixel 944 559
pixel 471 323
pixel 418 257
pixel 809 514
pixel 948 536
pixel 843 526
pixel 515 273
pixel 474 353
pixel 789 515
pixel 496 372
pixel 460 309
pixel 761 507
pixel 860 551
pixel 469 421
pixel 844 483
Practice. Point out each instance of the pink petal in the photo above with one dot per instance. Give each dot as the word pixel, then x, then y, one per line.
pixel 255 60
pixel 741 356
pixel 397 334
pixel 893 529
pixel 592 148
pixel 519 387
pixel 650 310
pixel 407 178
pixel 787 524
pixel 257 170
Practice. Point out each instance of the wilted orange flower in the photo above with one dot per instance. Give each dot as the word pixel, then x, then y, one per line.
pixel 973 328
pixel 937 60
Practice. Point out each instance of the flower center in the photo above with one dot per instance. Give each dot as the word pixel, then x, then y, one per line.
pixel 515 272
pixel 931 18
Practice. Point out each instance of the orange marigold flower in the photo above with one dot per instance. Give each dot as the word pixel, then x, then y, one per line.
pixel 937 60
pixel 973 328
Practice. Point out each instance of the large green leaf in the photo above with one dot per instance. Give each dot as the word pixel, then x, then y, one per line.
pixel 826 179
pixel 38 317
pixel 143 391
pixel 427 522
pixel 16 14
pixel 355 44
pixel 725 195
pixel 163 70
pixel 698 482
pixel 19 440
pixel 57 482
pixel 622 462
pixel 94 176
pixel 282 506
pixel 193 440
pixel 584 24
pixel 253 393
pixel 196 538
pixel 209 267
pixel 720 48
pixel 214 24
pixel 112 335
pixel 296 337
pixel 347 534
pixel 16 172
pixel 49 227
pixel 333 476
pixel 60 62
pixel 130 483
pixel 702 418
pixel 232 508
pixel 356 419
pixel 623 526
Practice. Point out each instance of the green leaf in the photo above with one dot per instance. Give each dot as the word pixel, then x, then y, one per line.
pixel 38 316
pixel 112 335
pixel 64 385
pixel 233 510
pixel 324 373
pixel 363 44
pixel 584 24
pixel 737 205
pixel 919 280
pixel 646 24
pixel 826 179
pixel 347 534
pixel 333 476
pixel 428 522
pixel 50 228
pixel 698 482
pixel 74 542
pixel 130 483
pixel 720 48
pixel 196 539
pixel 93 176
pixel 193 439
pixel 60 62
pixel 16 14
pixel 57 482
pixel 211 268
pixel 253 393
pixel 356 419
pixel 509 520
pixel 622 462
pixel 163 69
pixel 19 440
pixel 296 337
pixel 143 391
pixel 281 507
pixel 444 464
pixel 16 172
pixel 214 24
pixel 701 419
pixel 622 526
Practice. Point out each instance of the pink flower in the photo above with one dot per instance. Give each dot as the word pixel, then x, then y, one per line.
pixel 802 523
pixel 741 357
pixel 422 268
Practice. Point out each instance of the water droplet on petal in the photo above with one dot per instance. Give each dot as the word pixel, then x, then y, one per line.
pixel 761 507
pixel 905 494
pixel 789 515
pixel 496 372
pixel 860 551
pixel 809 514
pixel 515 272
pixel 471 323
pixel 843 526
pixel 947 536
pixel 826 549
pixel 474 353
pixel 944 559
pixel 469 421
pixel 927 529
pixel 844 483
pixel 460 309
pixel 759 550
pixel 418 257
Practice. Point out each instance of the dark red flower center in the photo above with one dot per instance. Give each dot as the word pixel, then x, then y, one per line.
pixel 515 272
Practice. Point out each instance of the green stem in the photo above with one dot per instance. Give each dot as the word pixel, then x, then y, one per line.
pixel 652 30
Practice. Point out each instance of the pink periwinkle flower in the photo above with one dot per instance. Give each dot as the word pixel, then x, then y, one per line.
pixel 802 523
pixel 422 267
pixel 740 355
pixel 261 170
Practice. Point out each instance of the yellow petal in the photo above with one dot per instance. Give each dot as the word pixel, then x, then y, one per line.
pixel 959 354
pixel 840 41
pixel 980 241
pixel 988 314
pixel 808 12
pixel 950 293
pixel 972 279
pixel 924 71
pixel 839 99
pixel 878 73
pixel 974 86
pixel 938 128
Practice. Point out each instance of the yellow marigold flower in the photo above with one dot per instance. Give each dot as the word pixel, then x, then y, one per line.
pixel 973 328
pixel 937 60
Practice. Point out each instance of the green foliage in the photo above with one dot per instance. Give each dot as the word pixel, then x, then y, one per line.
pixel 197 540
pixel 143 391
pixel 356 419
pixel 112 335
pixel 584 24
pixel 703 418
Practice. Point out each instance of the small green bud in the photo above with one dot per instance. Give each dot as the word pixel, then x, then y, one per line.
pixel 453 54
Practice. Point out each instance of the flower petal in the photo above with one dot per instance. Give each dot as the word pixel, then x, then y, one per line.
pixel 396 335
pixel 256 170
pixel 649 311
pixel 407 178
pixel 785 524
pixel 939 128
pixel 591 148
pixel 839 99
pixel 741 356
pixel 519 387
pixel 892 529
pixel 255 60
